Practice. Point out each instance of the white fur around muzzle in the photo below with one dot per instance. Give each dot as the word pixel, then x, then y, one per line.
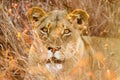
pixel 54 67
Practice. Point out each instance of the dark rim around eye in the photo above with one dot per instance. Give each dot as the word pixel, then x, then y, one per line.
pixel 66 31
pixel 44 29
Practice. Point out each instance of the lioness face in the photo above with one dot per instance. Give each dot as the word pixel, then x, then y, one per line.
pixel 60 32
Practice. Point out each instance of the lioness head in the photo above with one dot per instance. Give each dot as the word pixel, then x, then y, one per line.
pixel 60 33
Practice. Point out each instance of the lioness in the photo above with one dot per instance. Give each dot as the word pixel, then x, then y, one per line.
pixel 58 35
pixel 58 45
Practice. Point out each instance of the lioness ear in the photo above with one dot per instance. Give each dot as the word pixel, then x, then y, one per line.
pixel 34 14
pixel 79 15
pixel 79 18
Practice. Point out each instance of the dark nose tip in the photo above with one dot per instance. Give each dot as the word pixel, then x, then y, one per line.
pixel 54 49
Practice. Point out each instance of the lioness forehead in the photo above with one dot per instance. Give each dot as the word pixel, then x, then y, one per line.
pixel 58 14
pixel 56 18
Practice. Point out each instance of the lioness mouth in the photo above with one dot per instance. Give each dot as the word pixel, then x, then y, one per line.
pixel 55 60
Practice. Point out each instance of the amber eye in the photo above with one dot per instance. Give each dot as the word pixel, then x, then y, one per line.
pixel 44 29
pixel 67 31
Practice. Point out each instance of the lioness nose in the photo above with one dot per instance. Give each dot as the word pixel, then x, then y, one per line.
pixel 54 49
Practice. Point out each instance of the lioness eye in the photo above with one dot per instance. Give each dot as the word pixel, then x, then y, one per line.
pixel 67 31
pixel 44 29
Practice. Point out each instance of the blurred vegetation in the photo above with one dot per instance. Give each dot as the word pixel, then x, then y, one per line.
pixel 14 45
pixel 104 14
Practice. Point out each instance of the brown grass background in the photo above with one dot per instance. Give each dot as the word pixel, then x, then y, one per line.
pixel 104 22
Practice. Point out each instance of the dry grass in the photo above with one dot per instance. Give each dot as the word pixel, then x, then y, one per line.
pixel 14 46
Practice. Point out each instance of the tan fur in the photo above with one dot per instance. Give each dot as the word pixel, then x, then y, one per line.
pixel 59 29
